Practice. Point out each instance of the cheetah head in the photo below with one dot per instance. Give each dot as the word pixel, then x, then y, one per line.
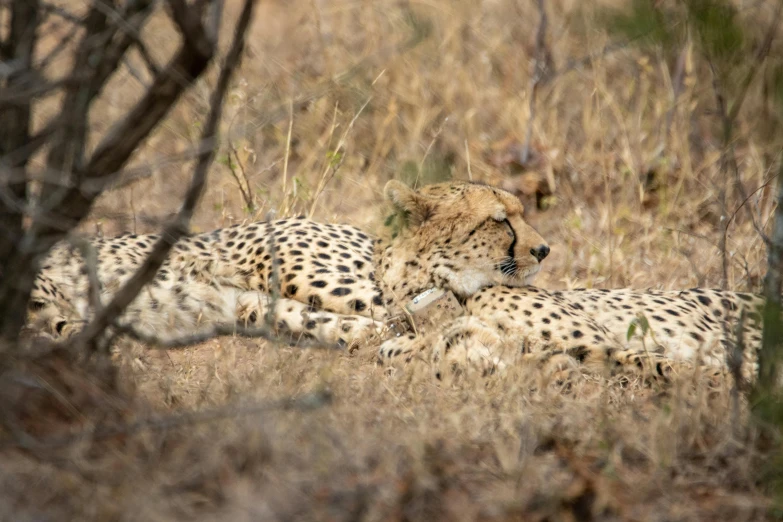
pixel 464 236
pixel 47 310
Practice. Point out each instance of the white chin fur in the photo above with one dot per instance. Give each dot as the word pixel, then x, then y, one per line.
pixel 523 279
pixel 531 275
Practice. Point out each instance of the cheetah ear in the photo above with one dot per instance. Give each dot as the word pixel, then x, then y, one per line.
pixel 409 201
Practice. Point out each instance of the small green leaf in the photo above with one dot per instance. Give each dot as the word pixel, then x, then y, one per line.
pixel 334 158
pixel 631 330
pixel 223 159
pixel 644 323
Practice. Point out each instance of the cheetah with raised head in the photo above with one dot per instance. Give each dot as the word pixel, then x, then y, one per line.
pixel 332 283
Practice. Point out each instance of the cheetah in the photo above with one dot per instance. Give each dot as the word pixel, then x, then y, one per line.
pixel 331 283
pixel 622 330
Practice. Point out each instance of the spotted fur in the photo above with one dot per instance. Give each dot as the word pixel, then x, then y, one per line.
pixel 593 328
pixel 328 282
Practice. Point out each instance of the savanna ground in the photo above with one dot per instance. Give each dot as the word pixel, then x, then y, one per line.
pixel 624 182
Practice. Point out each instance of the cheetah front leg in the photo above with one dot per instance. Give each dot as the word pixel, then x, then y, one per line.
pixel 299 322
pixel 464 341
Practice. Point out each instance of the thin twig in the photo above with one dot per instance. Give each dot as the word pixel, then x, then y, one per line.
pixel 537 74
pixel 745 201
pixel 678 82
pixel 723 189
pixel 288 152
pixel 307 402
pixel 61 13
pixel 149 61
pixel 427 151
pixel 130 29
pixel 90 259
pixel 245 189
pixel 219 330
pixel 57 49
pixel 127 177
pixel 39 89
pixel 23 153
pixel 333 165
pixel 467 158
pixel 706 240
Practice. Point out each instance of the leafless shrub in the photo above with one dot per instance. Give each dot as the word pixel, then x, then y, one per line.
pixel 79 173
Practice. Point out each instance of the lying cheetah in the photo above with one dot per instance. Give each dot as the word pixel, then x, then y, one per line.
pixel 332 283
pixel 625 330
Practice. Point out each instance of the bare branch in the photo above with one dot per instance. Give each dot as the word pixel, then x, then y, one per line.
pixel 244 187
pixel 538 72
pixel 307 402
pixel 759 229
pixel 149 61
pixel 214 17
pixel 217 330
pixel 37 87
pixel 678 82
pixel 90 257
pixel 22 154
pixel 122 140
pixel 61 12
pixel 58 48
pixel 188 19
pixel 131 29
pixel 179 226
pixel 127 177
pixel 100 51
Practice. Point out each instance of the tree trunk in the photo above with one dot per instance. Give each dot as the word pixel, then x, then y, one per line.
pixel 17 51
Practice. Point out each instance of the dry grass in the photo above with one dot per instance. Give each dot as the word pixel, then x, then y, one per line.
pixel 621 203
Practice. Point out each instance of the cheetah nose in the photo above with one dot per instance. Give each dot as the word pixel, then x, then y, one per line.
pixel 540 252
